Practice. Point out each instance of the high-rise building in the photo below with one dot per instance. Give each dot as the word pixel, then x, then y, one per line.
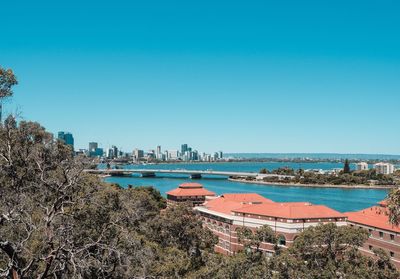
pixel 67 138
pixel 384 168
pixel 138 154
pixel 173 154
pixel 110 153
pixel 221 155
pixel 94 150
pixel 184 148
pixel 99 152
pixel 115 151
pixel 158 153
pixel 93 146
pixel 361 166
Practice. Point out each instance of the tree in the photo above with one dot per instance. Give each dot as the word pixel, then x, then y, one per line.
pixel 346 168
pixel 7 81
pixel 263 171
pixel 252 240
pixel 328 251
pixel 394 206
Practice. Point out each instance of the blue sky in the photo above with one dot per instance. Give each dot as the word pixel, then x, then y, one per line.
pixel 238 76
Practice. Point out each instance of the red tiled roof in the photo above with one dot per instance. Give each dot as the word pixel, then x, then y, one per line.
pixel 375 217
pixel 229 202
pixel 190 189
pixel 190 185
pixel 222 205
pixel 297 210
pixel 246 198
pixel 258 205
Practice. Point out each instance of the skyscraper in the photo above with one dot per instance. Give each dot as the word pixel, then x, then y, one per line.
pixel 93 146
pixel 184 148
pixel 115 152
pixel 138 154
pixel 94 150
pixel 66 138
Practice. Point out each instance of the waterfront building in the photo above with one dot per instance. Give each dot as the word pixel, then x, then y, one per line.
pixel 151 154
pixel 115 151
pixel 361 166
pixel 98 152
pixel 225 214
pixel 193 193
pixel 384 168
pixel 159 153
pixel 184 148
pixel 94 150
pixel 110 153
pixel 382 234
pixel 66 138
pixel 138 154
pixel 173 155
pixel 93 146
pixel 215 156
pixel 220 155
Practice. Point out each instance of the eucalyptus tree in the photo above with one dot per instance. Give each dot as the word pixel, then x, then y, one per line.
pixel 7 81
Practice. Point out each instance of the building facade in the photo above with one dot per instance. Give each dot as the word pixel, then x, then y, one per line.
pixel 224 214
pixel 361 166
pixel 384 168
pixel 193 193
pixel 382 234
pixel 138 154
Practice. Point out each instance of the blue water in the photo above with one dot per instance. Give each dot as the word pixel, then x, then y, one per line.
pixel 239 166
pixel 328 156
pixel 340 199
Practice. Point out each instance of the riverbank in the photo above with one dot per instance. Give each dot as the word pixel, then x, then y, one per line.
pixel 314 185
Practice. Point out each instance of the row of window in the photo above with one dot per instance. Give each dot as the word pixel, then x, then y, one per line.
pixel 381 234
pixel 224 244
pixel 218 228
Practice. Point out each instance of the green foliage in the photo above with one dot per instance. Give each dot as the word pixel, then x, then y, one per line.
pixel 394 206
pixel 253 239
pixel 7 81
pixel 284 171
pixel 328 251
pixel 346 168
pixel 264 171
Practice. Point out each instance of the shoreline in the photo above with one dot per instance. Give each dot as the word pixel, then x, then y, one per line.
pixel 382 187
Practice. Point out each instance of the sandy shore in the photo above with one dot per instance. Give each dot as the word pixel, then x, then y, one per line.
pixel 315 185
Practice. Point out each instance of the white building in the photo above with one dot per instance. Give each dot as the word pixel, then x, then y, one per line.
pixel 361 166
pixel 173 155
pixel 384 168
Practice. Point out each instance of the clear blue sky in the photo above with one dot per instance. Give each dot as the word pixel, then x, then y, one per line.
pixel 238 76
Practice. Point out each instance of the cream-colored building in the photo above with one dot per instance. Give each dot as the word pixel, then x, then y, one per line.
pixel 384 168
pixel 361 166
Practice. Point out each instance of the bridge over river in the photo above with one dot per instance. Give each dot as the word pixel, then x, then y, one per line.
pixel 194 174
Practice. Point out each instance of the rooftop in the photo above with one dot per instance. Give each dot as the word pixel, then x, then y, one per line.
pixel 191 185
pixel 376 217
pixel 190 189
pixel 246 198
pixel 258 205
pixel 291 210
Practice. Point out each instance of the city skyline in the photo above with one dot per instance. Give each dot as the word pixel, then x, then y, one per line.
pixel 260 77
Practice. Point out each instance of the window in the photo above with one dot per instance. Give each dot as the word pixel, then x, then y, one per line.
pixel 381 234
pixel 391 254
pixel 392 237
pixel 282 240
pixel 370 232
pixel 370 247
